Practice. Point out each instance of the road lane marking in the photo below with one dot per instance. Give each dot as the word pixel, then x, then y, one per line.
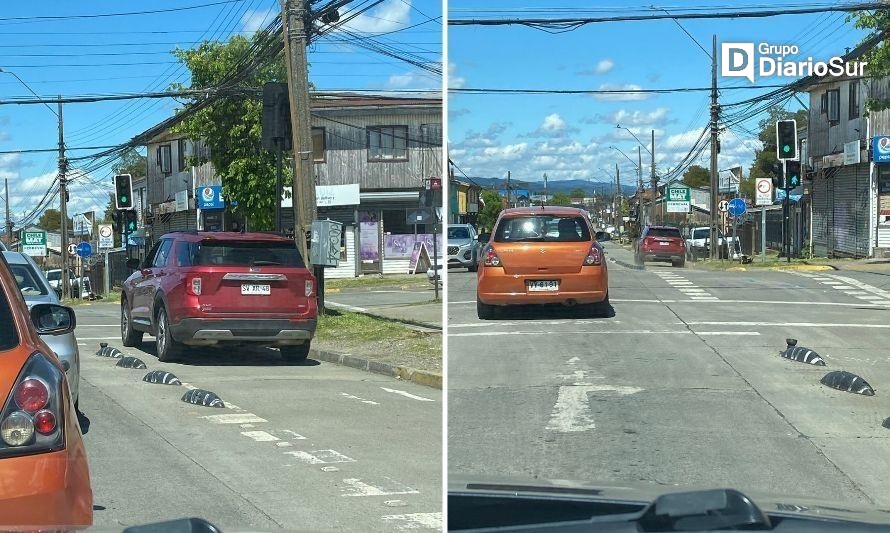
pixel 416 521
pixel 588 332
pixel 234 418
pixel 320 457
pixel 351 397
pixel 571 413
pixel 842 287
pixel 738 333
pixel 792 324
pixel 260 436
pixel 408 395
pixel 347 307
pixel 357 487
pixel 766 302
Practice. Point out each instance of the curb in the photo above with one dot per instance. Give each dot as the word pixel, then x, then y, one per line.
pixel 420 377
pixel 625 264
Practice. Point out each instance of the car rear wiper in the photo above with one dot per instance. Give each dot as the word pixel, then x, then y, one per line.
pixel 264 263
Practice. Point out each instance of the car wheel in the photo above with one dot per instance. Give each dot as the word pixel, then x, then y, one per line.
pixel 680 264
pixel 294 353
pixel 484 311
pixel 168 349
pixel 603 309
pixel 129 336
pixel 473 268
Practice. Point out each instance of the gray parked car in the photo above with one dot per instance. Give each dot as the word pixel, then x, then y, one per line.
pixel 463 246
pixel 36 290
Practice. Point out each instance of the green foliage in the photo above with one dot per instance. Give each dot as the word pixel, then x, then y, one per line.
pixel 231 129
pixel 878 58
pixel 130 162
pixel 51 220
pixel 489 214
pixel 560 198
pixel 746 187
pixel 577 192
pixel 765 160
pixel 697 176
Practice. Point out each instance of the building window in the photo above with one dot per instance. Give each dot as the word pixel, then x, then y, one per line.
pixel 824 108
pixel 854 99
pixel 164 157
pixel 180 153
pixel 834 105
pixel 388 143
pixel 318 145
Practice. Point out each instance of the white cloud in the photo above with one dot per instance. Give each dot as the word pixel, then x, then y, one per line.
pixel 553 125
pixel 413 80
pixel 640 118
pixel 621 96
pixel 256 19
pixel 553 122
pixel 454 80
pixel 391 15
pixel 604 66
pixel 485 138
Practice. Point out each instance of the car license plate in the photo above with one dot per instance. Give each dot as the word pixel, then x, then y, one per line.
pixel 664 243
pixel 539 286
pixel 252 288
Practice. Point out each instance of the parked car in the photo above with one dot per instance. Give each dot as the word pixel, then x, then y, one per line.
pixel 698 239
pixel 77 287
pixel 36 290
pixel 542 255
pixel 661 243
pixel 42 455
pixel 210 288
pixel 463 246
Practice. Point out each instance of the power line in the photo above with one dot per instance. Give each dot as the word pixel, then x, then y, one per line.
pixel 53 18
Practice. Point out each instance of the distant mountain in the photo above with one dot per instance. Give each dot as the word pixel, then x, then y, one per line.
pixel 554 186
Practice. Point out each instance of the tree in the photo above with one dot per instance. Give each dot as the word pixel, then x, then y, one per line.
pixel 561 198
pixel 697 176
pixel 489 213
pixel 130 162
pixel 765 162
pixel 231 127
pixel 577 192
pixel 51 220
pixel 878 58
pixel 746 187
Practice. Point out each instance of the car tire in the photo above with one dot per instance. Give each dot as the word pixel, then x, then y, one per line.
pixel 484 311
pixel 602 309
pixel 129 336
pixel 168 348
pixel 295 353
pixel 473 268
pixel 679 264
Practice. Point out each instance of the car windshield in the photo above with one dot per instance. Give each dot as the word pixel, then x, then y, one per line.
pixel 549 228
pixel 663 232
pixel 458 233
pixel 700 233
pixel 27 280
pixel 245 253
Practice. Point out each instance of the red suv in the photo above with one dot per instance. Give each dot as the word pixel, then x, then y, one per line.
pixel 207 288
pixel 661 243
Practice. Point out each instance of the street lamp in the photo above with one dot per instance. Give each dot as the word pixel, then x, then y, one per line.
pixel 620 127
pixel 29 88
pixel 634 163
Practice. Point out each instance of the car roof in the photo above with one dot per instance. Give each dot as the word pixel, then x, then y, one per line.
pixel 17 258
pixel 197 236
pixel 543 210
pixel 664 227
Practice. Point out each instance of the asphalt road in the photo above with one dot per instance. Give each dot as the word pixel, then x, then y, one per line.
pixel 683 385
pixel 310 447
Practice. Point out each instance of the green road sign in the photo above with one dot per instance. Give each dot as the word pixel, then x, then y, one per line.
pixel 35 238
pixel 679 194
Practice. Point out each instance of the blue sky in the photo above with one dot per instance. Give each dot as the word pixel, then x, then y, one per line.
pixel 63 58
pixel 569 136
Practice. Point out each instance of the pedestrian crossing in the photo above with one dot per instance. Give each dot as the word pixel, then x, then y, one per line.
pixel 688 288
pixel 852 287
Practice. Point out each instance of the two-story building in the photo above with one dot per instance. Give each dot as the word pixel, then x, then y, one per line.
pixel 371 155
pixel 464 201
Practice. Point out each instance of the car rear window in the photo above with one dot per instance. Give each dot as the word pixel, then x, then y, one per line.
pixel 9 337
pixel 244 253
pixel 458 233
pixel 542 228
pixel 27 280
pixel 663 232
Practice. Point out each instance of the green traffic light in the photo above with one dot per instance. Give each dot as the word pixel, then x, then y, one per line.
pixel 785 149
pixel 124 198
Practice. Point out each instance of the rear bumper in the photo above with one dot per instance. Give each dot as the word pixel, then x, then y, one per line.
pixel 663 256
pixel 266 331
pixel 589 286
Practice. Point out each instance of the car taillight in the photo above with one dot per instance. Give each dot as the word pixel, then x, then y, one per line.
pixel 594 257
pixel 29 421
pixel 491 258
pixel 193 286
pixel 309 287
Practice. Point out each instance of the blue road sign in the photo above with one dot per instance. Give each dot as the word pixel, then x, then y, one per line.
pixel 736 207
pixel 84 249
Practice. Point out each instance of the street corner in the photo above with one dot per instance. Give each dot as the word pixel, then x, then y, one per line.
pixel 420 377
pixel 333 290
pixel 803 268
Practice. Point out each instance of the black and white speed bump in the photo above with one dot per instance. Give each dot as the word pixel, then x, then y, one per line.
pixel 203 397
pixel 801 354
pixel 847 382
pixel 108 351
pixel 162 378
pixel 131 362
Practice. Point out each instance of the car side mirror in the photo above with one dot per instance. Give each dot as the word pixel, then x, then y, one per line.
pixel 52 319
pixel 133 263
pixel 484 237
pixel 601 235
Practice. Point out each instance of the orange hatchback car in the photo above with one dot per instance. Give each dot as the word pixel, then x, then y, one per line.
pixel 542 255
pixel 42 456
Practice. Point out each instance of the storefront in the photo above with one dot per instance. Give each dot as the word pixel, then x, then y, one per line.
pixel 841 201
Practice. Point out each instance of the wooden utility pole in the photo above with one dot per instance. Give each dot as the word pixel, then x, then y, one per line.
pixel 63 197
pixel 293 15
pixel 654 180
pixel 8 219
pixel 715 184
pixel 508 190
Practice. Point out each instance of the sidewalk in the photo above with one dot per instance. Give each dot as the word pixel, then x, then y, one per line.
pixel 410 306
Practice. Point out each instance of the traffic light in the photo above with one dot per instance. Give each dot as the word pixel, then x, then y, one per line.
pixel 792 174
pixel 786 139
pixel 123 189
pixel 432 196
pixel 130 225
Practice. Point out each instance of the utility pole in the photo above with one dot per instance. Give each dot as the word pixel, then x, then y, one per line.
pixel 654 180
pixel 617 196
pixel 508 189
pixel 639 168
pixel 715 115
pixel 545 186
pixel 63 194
pixel 8 219
pixel 294 17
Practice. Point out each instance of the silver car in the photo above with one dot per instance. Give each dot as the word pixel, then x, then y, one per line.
pixel 36 290
pixel 463 246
